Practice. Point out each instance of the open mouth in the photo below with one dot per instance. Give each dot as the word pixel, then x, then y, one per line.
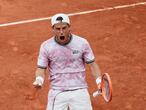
pixel 62 37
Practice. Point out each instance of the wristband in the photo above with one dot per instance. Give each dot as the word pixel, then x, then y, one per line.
pixel 98 80
pixel 40 78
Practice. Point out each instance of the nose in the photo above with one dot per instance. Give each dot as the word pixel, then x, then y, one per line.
pixel 61 31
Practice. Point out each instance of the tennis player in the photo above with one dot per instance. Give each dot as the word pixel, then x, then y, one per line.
pixel 65 56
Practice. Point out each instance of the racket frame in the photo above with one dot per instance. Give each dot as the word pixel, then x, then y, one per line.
pixel 110 87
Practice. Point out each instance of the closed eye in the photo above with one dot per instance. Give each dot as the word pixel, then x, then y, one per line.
pixel 64 27
pixel 57 29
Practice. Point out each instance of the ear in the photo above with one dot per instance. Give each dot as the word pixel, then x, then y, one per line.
pixel 69 25
pixel 69 29
pixel 53 28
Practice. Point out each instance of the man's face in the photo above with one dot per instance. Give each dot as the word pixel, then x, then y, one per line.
pixel 62 32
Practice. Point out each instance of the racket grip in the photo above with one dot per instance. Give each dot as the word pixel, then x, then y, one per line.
pixel 96 93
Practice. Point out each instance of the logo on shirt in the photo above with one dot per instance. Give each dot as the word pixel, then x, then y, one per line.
pixel 75 52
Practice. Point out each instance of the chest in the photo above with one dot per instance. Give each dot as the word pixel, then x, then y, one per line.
pixel 64 53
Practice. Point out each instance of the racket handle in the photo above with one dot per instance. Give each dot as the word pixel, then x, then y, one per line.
pixel 96 93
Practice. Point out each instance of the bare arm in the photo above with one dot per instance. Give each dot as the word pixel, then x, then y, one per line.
pixel 96 73
pixel 40 72
pixel 40 76
pixel 95 70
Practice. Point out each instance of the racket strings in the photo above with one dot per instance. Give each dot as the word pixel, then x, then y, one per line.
pixel 106 88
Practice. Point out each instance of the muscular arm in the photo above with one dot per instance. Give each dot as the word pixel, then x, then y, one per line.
pixel 40 72
pixel 95 70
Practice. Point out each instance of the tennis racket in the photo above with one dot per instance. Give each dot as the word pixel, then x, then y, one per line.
pixel 106 88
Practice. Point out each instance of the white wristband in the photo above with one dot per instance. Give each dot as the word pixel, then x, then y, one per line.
pixel 98 80
pixel 39 81
pixel 40 78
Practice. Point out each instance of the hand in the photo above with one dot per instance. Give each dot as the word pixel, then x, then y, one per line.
pixel 39 81
pixel 98 82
